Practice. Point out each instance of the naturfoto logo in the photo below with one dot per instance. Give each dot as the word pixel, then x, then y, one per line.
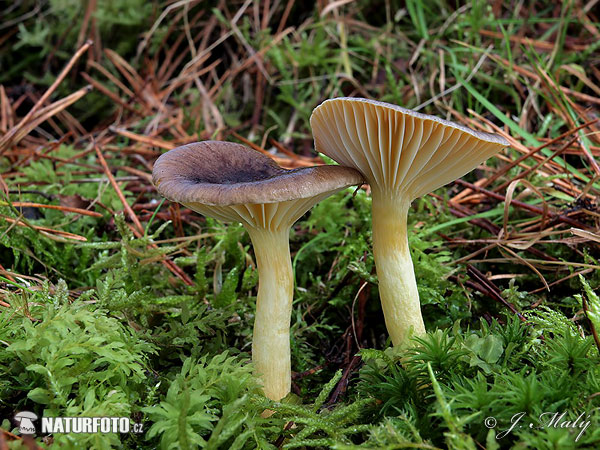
pixel 53 425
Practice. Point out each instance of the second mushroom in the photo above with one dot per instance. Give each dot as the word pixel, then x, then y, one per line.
pixel 403 155
pixel 233 183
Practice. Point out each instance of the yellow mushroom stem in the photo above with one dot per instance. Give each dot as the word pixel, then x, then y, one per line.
pixel 395 272
pixel 268 225
pixel 271 339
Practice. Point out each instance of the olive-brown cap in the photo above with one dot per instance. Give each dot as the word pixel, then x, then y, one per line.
pixel 398 149
pixel 221 179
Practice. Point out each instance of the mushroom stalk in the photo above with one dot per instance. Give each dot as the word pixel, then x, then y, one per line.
pixel 271 339
pixel 395 272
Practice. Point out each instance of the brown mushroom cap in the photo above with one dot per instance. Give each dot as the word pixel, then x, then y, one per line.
pixel 398 149
pixel 224 173
pixel 232 182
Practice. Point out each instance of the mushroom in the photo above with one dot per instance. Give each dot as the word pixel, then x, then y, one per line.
pixel 233 183
pixel 25 421
pixel 403 155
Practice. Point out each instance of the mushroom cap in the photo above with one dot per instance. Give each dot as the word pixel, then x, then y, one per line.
pixel 397 149
pixel 224 173
pixel 231 182
pixel 26 415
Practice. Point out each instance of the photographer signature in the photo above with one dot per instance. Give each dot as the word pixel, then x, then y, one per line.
pixel 546 420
